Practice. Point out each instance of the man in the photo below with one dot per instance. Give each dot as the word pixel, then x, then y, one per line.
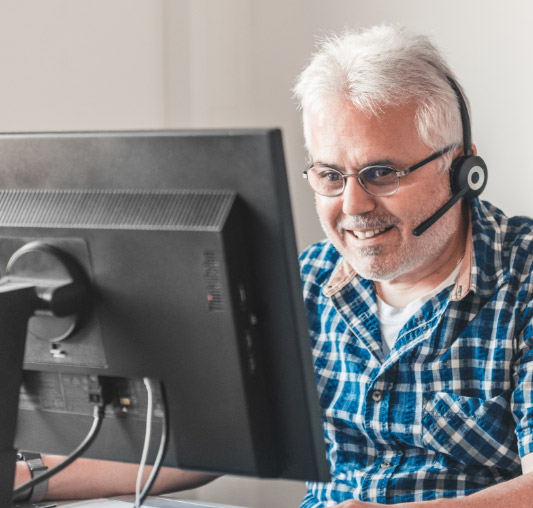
pixel 422 344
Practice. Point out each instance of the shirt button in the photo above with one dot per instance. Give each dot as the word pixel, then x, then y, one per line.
pixel 377 395
pixel 386 464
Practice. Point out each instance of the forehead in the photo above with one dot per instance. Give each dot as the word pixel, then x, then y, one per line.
pixel 340 133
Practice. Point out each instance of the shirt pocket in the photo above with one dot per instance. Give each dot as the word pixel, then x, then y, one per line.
pixel 470 430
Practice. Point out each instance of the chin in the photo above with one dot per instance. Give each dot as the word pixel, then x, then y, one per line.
pixel 379 275
pixel 371 268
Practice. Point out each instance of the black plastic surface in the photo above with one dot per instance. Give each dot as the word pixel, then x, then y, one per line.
pixel 156 313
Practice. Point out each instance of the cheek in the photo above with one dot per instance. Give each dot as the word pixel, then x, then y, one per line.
pixel 416 204
pixel 328 210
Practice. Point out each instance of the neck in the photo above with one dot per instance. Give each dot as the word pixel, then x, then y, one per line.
pixel 408 287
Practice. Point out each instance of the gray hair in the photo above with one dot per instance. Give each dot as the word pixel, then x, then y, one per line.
pixel 380 67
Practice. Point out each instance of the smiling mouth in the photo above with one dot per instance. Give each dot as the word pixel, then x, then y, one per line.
pixel 363 235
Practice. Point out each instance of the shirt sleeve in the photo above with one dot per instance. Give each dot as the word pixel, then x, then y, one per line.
pixel 310 501
pixel 522 401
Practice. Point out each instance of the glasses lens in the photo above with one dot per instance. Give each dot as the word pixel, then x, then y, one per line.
pixel 325 181
pixel 379 180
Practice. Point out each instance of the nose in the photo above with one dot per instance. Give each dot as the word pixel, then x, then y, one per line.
pixel 355 200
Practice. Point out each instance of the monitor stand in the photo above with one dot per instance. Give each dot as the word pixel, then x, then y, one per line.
pixel 40 278
pixel 16 307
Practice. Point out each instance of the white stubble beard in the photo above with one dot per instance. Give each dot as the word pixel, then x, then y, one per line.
pixel 374 263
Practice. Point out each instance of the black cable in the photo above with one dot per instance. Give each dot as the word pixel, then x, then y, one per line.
pixel 163 444
pixel 99 412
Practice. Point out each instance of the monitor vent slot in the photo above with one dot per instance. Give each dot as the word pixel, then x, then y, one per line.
pixel 213 282
pixel 116 209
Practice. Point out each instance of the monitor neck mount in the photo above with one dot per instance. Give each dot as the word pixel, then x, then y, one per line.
pixel 61 290
pixel 44 283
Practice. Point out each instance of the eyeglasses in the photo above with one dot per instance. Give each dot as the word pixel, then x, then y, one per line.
pixel 376 180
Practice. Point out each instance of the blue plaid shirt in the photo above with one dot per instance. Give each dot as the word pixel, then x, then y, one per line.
pixel 449 411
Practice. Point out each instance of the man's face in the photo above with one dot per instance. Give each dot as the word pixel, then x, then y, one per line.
pixel 375 233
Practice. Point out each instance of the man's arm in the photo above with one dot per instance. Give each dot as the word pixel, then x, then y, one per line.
pixel 88 478
pixel 516 493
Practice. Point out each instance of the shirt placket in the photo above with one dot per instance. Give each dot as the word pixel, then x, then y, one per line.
pixel 379 413
pixel 363 322
pixel 361 318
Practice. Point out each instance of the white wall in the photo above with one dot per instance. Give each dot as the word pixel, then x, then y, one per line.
pixel 81 65
pixel 134 64
pixel 242 60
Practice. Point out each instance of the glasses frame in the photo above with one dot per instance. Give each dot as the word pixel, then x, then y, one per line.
pixel 399 173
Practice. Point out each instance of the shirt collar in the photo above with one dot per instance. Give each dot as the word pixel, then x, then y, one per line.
pixel 487 268
pixel 343 274
pixel 463 283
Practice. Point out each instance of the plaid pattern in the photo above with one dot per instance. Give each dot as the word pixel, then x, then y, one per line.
pixel 450 410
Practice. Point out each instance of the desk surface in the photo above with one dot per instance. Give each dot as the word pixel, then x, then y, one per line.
pixel 128 501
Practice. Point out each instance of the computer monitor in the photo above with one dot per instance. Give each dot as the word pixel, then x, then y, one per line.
pixel 184 242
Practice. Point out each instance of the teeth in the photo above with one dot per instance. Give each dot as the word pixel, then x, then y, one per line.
pixel 367 234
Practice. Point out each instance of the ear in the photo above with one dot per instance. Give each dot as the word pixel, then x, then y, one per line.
pixel 474 149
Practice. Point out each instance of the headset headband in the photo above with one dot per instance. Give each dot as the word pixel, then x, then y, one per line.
pixel 465 119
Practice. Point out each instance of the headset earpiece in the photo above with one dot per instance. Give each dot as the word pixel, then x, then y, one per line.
pixel 468 171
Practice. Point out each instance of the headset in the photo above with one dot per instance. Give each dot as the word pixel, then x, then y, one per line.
pixel 468 172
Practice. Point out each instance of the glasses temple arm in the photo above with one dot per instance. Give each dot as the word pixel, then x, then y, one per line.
pixel 431 158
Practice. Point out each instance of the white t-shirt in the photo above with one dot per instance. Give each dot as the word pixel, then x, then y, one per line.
pixel 392 319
